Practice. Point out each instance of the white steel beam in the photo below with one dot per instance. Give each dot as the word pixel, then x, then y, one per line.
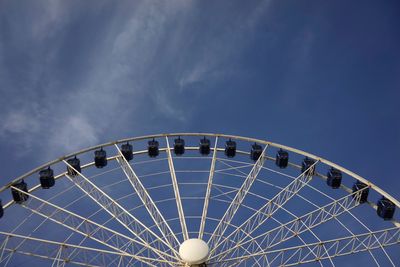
pixel 112 207
pixel 176 192
pixel 149 204
pixel 326 249
pixel 3 248
pixel 208 191
pixel 88 228
pixel 61 252
pixel 236 202
pixel 301 224
pixel 269 208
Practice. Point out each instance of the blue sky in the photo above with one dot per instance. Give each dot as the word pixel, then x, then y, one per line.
pixel 322 76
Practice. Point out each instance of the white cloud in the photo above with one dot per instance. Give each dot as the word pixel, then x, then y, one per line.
pixel 18 123
pixel 131 60
pixel 75 133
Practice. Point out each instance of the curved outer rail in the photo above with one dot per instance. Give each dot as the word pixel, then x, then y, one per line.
pixel 298 151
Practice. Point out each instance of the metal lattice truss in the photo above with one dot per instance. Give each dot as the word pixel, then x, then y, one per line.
pixel 249 213
pixel 148 203
pixel 58 252
pixel 299 225
pixel 114 209
pixel 258 218
pixel 88 228
pixel 237 201
pixel 327 249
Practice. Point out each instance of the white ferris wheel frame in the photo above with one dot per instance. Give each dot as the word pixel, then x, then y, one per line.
pixel 165 246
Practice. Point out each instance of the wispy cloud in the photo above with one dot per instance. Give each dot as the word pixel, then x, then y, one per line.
pixel 83 73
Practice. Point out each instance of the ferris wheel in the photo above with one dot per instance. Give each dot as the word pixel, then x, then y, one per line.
pixel 196 199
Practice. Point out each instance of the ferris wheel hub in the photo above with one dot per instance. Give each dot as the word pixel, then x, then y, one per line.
pixel 194 251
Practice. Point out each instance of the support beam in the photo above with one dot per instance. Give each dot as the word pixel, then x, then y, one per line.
pixel 119 213
pixel 176 192
pixel 149 204
pixel 90 229
pixel 301 224
pixel 58 251
pixel 208 191
pixel 343 246
pixel 269 208
pixel 237 201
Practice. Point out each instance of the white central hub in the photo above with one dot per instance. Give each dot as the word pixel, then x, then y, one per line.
pixel 194 251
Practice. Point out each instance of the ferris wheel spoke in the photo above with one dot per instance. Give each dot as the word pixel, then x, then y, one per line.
pixel 112 207
pixel 356 218
pixel 59 251
pixel 302 240
pixel 237 201
pixel 328 249
pixel 208 190
pixel 303 223
pixel 176 192
pixel 273 205
pixel 351 233
pixel 149 204
pixel 29 218
pixel 3 247
pixel 236 251
pixel 86 227
pixel 245 249
pixel 381 246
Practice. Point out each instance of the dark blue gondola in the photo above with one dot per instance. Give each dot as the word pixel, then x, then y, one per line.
pixel 306 164
pixel 385 208
pixel 364 194
pixel 204 146
pixel 127 151
pixel 152 148
pixel 46 178
pixel 282 158
pixel 230 148
pixel 100 158
pixel 179 146
pixel 334 178
pixel 19 196
pixel 256 151
pixel 75 166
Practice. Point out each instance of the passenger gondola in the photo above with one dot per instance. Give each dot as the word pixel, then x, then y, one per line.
pixel 282 158
pixel 385 208
pixel 334 178
pixel 204 146
pixel 256 151
pixel 100 158
pixel 364 194
pixel 127 151
pixel 306 166
pixel 18 196
pixel 75 166
pixel 179 146
pixel 230 148
pixel 46 177
pixel 152 148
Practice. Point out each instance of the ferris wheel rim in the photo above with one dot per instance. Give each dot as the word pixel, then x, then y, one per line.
pixel 237 137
